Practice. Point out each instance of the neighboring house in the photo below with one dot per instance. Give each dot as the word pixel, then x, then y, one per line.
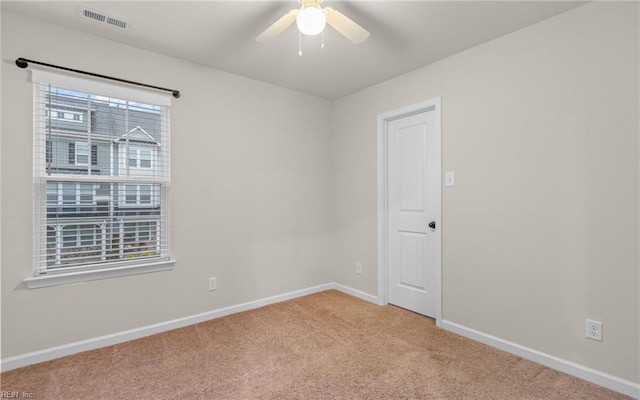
pixel 95 136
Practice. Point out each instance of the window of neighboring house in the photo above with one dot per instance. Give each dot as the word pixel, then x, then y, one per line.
pixel 78 153
pixel 49 152
pixel 136 232
pixel 131 195
pixel 94 154
pixel 72 116
pixel 87 219
pixel 139 158
pixel 139 195
pixel 144 194
pixel 80 236
pixel 81 153
pixel 69 193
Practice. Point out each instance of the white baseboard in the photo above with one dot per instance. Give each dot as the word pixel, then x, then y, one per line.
pixel 35 357
pixel 356 293
pixel 620 385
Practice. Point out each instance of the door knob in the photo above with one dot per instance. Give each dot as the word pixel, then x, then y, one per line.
pixel 432 224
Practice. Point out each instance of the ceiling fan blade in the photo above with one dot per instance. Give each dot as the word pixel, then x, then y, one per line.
pixel 279 26
pixel 345 26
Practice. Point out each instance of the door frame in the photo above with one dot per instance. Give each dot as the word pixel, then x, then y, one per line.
pixel 383 217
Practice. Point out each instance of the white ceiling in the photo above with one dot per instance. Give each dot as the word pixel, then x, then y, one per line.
pixel 405 35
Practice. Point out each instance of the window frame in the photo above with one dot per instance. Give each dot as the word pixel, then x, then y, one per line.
pixel 61 115
pixel 86 152
pixel 139 149
pixel 78 237
pixel 59 193
pixel 124 202
pixel 44 153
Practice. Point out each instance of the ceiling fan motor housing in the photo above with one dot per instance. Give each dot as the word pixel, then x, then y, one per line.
pixel 311 20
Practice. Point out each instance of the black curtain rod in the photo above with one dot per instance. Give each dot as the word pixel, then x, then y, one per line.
pixel 24 63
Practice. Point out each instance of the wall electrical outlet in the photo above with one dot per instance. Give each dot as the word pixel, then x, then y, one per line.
pixel 594 330
pixel 212 284
pixel 358 268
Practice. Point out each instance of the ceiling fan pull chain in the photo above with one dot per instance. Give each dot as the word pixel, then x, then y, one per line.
pixel 322 45
pixel 299 43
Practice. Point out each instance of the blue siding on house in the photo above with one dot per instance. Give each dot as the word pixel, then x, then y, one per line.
pixel 61 157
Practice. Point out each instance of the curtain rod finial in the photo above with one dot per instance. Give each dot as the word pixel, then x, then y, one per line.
pixel 176 94
pixel 22 63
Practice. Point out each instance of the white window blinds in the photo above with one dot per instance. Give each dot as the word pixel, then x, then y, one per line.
pixel 101 175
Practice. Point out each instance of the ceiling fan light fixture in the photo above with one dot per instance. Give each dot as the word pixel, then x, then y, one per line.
pixel 311 20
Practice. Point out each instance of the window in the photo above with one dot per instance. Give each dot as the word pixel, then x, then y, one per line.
pixel 77 236
pixel 89 214
pixel 140 195
pixel 144 159
pixel 140 158
pixel 69 193
pixel 94 154
pixel 142 234
pixel 77 153
pixel 133 158
pixel 131 196
pixel 81 153
pixel 49 152
pixel 72 116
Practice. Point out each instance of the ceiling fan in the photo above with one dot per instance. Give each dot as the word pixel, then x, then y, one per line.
pixel 311 20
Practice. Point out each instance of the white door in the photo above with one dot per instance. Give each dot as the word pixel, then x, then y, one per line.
pixel 413 211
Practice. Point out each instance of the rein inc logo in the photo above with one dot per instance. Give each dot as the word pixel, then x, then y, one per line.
pixel 15 394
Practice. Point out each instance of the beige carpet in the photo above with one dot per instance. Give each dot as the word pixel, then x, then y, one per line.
pixel 324 346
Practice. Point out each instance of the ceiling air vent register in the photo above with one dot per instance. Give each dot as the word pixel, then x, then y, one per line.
pixel 102 18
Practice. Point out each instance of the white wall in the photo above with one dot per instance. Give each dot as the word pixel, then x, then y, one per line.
pixel 250 187
pixel 541 230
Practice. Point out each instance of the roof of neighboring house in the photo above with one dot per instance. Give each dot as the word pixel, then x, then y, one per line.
pixel 137 135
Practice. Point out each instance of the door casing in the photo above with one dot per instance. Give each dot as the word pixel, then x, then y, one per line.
pixel 383 121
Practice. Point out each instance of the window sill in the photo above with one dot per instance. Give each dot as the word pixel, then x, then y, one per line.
pixel 83 276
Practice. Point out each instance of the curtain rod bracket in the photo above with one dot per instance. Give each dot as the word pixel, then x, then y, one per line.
pixel 24 63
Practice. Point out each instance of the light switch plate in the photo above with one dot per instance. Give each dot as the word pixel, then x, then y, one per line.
pixel 450 178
